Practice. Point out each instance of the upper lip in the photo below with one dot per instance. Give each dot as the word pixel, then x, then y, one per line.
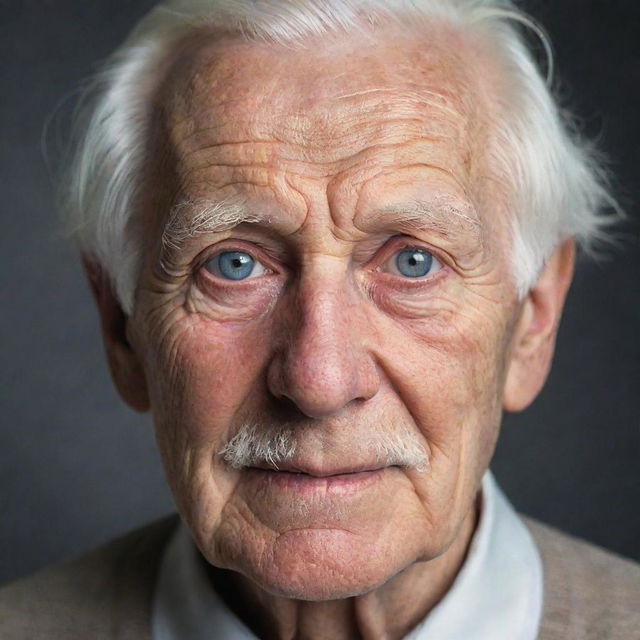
pixel 319 472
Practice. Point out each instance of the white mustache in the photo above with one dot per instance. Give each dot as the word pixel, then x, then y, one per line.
pixel 257 444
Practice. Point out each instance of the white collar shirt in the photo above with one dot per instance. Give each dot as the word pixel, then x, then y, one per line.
pixel 497 594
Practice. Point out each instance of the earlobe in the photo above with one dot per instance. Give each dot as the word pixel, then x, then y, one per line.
pixel 533 339
pixel 126 369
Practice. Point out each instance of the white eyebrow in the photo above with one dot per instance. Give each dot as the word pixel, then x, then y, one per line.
pixel 192 218
pixel 444 215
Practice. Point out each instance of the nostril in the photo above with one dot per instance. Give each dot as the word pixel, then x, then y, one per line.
pixel 287 410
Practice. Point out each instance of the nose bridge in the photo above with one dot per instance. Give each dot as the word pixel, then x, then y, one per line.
pixel 323 343
pixel 324 364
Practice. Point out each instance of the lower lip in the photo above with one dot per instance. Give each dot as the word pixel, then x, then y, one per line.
pixel 303 483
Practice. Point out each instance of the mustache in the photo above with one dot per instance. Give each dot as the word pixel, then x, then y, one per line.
pixel 256 443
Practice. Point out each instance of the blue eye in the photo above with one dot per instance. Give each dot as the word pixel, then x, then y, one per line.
pixel 415 263
pixel 234 265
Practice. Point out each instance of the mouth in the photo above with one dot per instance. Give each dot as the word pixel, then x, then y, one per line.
pixel 319 472
pixel 338 481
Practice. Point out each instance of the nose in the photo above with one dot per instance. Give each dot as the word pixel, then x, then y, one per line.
pixel 323 363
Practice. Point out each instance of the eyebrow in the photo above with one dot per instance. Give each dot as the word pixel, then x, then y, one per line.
pixel 447 216
pixel 192 218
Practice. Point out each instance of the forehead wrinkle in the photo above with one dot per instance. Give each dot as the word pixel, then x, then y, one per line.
pixel 317 160
pixel 411 100
pixel 310 123
pixel 295 129
pixel 376 114
pixel 313 136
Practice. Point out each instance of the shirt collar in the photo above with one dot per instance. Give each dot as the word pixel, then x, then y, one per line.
pixel 497 594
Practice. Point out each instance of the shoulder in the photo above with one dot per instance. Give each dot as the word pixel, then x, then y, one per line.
pixel 90 596
pixel 589 593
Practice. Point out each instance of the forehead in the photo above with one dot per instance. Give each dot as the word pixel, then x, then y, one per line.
pixel 329 96
pixel 366 110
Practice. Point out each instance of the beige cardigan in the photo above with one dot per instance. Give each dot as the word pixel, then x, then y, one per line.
pixel 589 594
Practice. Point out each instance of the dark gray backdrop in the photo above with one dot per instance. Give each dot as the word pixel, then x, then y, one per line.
pixel 77 467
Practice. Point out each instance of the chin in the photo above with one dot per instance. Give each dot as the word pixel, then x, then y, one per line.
pixel 314 592
pixel 323 564
pixel 318 585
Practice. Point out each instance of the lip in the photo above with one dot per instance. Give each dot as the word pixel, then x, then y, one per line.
pixel 318 472
pixel 302 483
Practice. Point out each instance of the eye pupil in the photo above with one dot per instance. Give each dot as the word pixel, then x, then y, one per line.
pixel 414 263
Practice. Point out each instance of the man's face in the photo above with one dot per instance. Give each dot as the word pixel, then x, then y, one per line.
pixel 365 297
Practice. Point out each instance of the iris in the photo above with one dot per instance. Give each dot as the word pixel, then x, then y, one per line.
pixel 233 265
pixel 414 263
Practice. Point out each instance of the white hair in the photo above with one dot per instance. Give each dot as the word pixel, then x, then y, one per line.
pixel 556 185
pixel 274 444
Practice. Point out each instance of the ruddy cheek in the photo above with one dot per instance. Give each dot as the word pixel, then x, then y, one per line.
pixel 209 366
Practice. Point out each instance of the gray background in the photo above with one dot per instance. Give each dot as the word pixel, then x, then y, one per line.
pixel 77 467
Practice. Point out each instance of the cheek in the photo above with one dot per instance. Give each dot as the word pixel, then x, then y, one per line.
pixel 205 373
pixel 448 372
pixel 204 377
pixel 449 365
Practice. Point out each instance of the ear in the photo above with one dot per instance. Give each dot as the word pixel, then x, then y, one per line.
pixel 533 340
pixel 126 370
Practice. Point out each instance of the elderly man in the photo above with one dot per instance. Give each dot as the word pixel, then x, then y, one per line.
pixel 330 242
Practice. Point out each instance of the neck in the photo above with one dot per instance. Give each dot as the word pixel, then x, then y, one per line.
pixel 385 613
